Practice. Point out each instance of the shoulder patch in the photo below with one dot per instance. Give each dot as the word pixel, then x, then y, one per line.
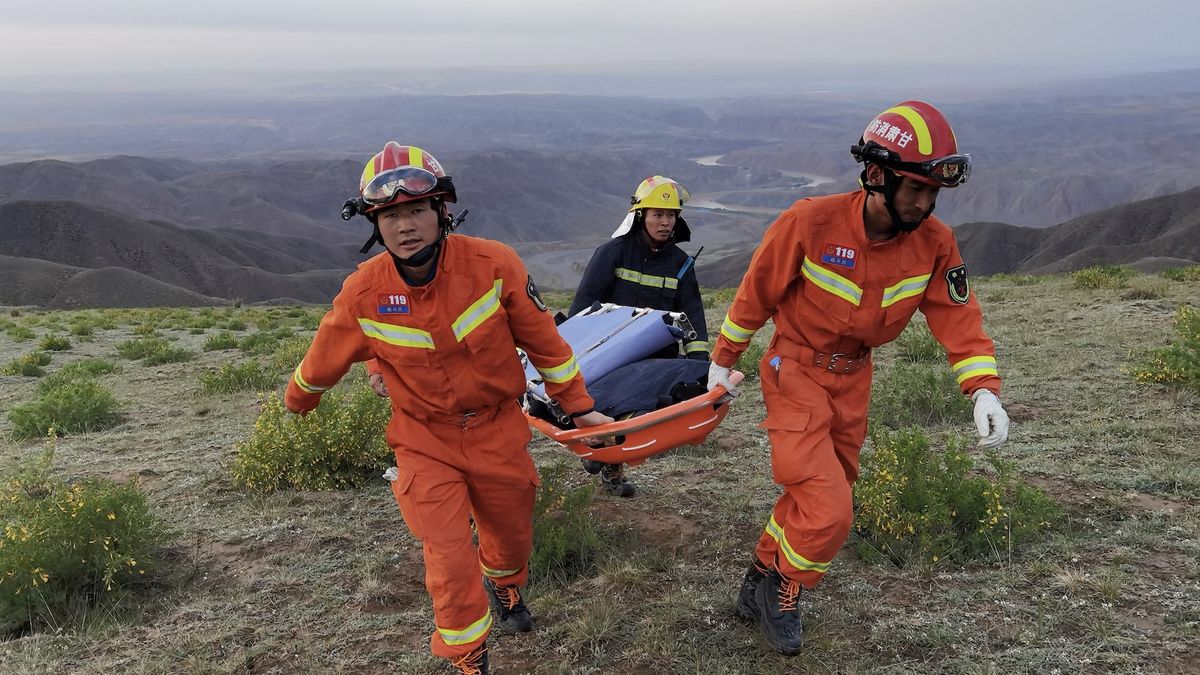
pixel 531 289
pixel 957 285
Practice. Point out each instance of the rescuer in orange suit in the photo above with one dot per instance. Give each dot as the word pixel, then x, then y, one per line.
pixel 443 315
pixel 840 275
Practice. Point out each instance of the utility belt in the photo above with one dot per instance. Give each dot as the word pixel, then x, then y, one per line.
pixel 840 363
pixel 468 419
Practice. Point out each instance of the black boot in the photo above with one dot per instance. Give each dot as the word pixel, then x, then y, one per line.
pixel 777 601
pixel 747 607
pixel 592 466
pixel 508 607
pixel 612 477
pixel 475 663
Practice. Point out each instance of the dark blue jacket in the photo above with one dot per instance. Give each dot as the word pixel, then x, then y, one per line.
pixel 625 271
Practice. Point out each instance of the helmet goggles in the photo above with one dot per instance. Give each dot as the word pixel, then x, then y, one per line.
pixel 410 180
pixel 949 171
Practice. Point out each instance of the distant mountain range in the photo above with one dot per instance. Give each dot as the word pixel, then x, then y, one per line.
pixel 65 254
pixel 1150 234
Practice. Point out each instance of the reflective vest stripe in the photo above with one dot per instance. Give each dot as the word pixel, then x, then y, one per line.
pixel 475 631
pixel 734 332
pixel 561 373
pixel 832 282
pixel 396 335
pixel 645 279
pixel 975 367
pixel 478 312
pixel 794 559
pixel 907 288
pixel 305 386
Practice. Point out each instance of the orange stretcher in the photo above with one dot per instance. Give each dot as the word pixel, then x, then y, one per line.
pixel 685 423
pixel 606 337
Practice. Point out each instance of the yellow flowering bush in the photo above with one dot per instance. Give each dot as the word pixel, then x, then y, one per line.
pixel 340 444
pixel 565 540
pixel 917 504
pixel 1179 363
pixel 1102 276
pixel 65 545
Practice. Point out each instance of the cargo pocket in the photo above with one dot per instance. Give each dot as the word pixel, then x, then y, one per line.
pixel 402 490
pixel 788 435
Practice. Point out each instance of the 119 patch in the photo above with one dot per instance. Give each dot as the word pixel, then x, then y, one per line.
pixel 957 284
pixel 842 256
pixel 393 303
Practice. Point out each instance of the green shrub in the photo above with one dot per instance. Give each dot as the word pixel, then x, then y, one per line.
pixel 917 345
pixel 1146 288
pixel 1179 363
pixel 249 376
pixel 1016 279
pixel 223 340
pixel 289 352
pixel 29 365
pixel 54 343
pixel 748 361
pixel 81 329
pixel 69 546
pixel 153 351
pixel 1102 276
pixel 169 355
pixel 717 297
pixel 914 504
pixel 340 444
pixel 18 333
pixel 71 405
pixel 82 369
pixel 145 329
pixel 565 539
pixel 140 348
pixel 261 342
pixel 14 312
pixel 1182 273
pixel 918 394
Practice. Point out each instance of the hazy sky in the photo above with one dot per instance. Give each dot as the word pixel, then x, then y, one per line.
pixel 82 37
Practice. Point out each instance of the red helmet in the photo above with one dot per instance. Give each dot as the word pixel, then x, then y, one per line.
pixel 914 139
pixel 402 173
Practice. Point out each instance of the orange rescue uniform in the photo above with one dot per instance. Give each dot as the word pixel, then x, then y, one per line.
pixel 833 295
pixel 447 352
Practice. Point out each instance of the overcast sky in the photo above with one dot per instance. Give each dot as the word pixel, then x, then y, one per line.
pixel 72 38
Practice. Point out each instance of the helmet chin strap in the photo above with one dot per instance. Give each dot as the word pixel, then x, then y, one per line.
pixel 891 181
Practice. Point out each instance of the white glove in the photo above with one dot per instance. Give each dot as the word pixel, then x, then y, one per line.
pixel 990 419
pixel 720 375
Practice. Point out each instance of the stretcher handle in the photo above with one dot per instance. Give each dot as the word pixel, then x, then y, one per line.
pixel 715 396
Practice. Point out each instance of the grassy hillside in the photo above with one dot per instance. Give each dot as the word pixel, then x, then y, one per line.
pixel 332 581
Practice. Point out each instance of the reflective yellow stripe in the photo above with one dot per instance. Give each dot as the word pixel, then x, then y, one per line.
pixel 562 373
pixel 471 633
pixel 734 332
pixel 478 312
pixel 924 139
pixel 975 367
pixel 697 346
pixel 645 279
pixel 497 574
pixel 415 157
pixel 396 335
pixel 308 388
pixel 795 559
pixel 832 282
pixel 907 288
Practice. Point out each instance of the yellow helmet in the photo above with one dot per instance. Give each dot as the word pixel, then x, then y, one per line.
pixel 659 192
